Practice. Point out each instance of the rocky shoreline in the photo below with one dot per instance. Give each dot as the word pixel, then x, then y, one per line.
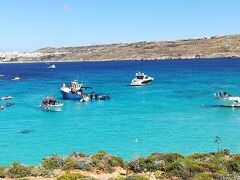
pixel 103 166
pixel 208 47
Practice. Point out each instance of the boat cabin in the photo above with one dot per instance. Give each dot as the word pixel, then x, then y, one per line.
pixel 50 101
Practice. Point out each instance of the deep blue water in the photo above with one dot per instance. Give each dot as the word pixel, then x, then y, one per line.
pixel 176 113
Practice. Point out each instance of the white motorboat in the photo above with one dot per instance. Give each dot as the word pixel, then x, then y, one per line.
pixel 16 78
pixel 6 97
pixel 52 66
pixel 227 100
pixel 141 79
pixel 51 104
pixel 1 75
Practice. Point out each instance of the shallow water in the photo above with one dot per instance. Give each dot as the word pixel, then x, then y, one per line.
pixel 176 113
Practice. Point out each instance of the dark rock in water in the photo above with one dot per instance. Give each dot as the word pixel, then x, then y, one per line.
pixel 25 131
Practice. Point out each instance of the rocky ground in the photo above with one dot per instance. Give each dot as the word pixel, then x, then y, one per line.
pixel 212 47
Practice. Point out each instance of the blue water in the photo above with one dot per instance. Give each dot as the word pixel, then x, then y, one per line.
pixel 176 113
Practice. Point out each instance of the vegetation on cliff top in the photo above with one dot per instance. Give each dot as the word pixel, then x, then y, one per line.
pixel 219 165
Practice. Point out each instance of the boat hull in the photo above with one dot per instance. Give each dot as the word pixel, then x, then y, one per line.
pixel 141 83
pixel 70 96
pixel 51 108
pixel 229 103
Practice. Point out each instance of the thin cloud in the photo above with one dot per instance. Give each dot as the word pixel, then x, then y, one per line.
pixel 66 8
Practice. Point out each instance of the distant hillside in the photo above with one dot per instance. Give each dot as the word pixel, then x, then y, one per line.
pixel 216 46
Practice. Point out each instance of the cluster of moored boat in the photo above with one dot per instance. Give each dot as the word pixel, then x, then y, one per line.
pixel 71 91
pixel 76 91
pixel 8 103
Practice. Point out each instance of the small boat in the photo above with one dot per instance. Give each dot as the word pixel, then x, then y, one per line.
pixel 227 100
pixel 51 104
pixel 74 91
pixel 95 96
pixel 1 107
pixel 141 79
pixel 1 75
pixel 6 97
pixel 9 103
pixel 16 78
pixel 52 66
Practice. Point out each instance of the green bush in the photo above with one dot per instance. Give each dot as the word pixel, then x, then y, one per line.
pixel 17 170
pixel 118 178
pixel 2 171
pixel 204 176
pixel 41 171
pixel 99 156
pixel 53 162
pixel 166 157
pixel 233 165
pixel 186 168
pixel 84 163
pixel 117 161
pixel 69 164
pixel 159 174
pixel 137 178
pixel 137 165
pixel 200 157
pixel 72 176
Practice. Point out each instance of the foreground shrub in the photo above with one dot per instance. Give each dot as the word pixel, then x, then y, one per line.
pixel 104 162
pixel 149 164
pixel 204 157
pixel 73 176
pixel 84 163
pixel 99 156
pixel 204 176
pixel 233 165
pixel 17 170
pixel 69 164
pixel 53 162
pixel 2 171
pixel 186 168
pixel 118 178
pixel 137 165
pixel 137 178
pixel 117 161
pixel 41 171
pixel 166 157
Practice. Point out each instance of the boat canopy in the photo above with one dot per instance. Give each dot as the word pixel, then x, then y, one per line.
pixel 49 99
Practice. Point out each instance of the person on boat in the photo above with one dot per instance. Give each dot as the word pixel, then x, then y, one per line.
pixel 9 103
pixel 93 96
pixel 220 94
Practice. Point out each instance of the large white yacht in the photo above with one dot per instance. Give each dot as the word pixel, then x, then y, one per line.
pixel 141 79
pixel 227 100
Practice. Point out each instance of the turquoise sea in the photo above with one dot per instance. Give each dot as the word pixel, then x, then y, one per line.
pixel 176 113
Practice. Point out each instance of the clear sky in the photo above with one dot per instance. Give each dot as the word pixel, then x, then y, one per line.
pixel 26 25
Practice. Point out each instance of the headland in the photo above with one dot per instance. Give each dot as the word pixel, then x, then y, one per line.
pixel 207 47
